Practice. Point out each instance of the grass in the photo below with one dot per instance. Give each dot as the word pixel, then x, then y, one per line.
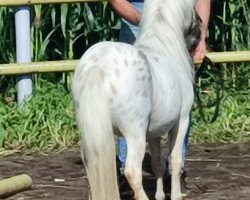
pixel 232 125
pixel 46 122
pixel 233 122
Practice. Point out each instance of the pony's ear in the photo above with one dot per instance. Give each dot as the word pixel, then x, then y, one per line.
pixel 193 33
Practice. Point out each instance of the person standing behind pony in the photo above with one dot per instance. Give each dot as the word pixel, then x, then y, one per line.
pixel 130 12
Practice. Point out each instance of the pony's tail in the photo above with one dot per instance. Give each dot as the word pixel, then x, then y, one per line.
pixel 98 143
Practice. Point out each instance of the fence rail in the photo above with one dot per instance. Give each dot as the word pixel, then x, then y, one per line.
pixel 69 65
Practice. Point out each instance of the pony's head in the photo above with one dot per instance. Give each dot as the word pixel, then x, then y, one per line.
pixel 193 33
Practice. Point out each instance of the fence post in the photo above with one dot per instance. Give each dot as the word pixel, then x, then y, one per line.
pixel 23 50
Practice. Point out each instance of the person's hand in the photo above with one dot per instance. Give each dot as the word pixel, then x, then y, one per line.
pixel 203 10
pixel 200 51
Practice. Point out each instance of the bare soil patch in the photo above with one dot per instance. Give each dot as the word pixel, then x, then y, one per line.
pixel 214 173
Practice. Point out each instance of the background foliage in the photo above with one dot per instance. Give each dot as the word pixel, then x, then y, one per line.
pixel 229 30
pixel 65 31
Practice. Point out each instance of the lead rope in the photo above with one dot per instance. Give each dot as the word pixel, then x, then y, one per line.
pixel 208 65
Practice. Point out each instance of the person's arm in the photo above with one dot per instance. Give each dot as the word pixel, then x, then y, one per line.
pixel 203 10
pixel 126 10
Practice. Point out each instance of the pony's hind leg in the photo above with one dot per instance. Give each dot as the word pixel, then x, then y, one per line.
pixel 158 166
pixel 136 147
pixel 178 134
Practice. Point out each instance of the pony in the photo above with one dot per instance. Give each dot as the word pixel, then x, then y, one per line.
pixel 143 90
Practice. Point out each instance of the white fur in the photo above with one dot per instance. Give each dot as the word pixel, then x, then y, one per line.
pixel 144 91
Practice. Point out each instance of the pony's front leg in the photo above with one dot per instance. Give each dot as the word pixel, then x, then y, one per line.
pixel 176 157
pixel 136 147
pixel 158 166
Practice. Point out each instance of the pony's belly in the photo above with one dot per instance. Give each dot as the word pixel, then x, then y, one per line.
pixel 157 131
pixel 166 110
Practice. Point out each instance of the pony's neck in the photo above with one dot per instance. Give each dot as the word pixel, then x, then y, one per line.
pixel 162 28
pixel 166 20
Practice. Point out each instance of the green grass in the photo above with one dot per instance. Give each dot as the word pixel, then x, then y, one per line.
pixel 233 122
pixel 45 123
pixel 232 125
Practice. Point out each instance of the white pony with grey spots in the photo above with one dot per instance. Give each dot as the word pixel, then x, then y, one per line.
pixel 143 90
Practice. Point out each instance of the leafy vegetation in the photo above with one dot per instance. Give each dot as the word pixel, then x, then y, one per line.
pixel 47 122
pixel 229 30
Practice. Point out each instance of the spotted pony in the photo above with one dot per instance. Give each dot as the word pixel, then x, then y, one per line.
pixel 143 90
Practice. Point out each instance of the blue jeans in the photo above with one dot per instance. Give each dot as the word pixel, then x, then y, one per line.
pixel 123 149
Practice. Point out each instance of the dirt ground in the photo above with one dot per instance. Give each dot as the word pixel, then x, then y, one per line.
pixel 214 173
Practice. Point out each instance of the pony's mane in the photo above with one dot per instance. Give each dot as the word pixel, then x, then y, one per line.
pixel 163 25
